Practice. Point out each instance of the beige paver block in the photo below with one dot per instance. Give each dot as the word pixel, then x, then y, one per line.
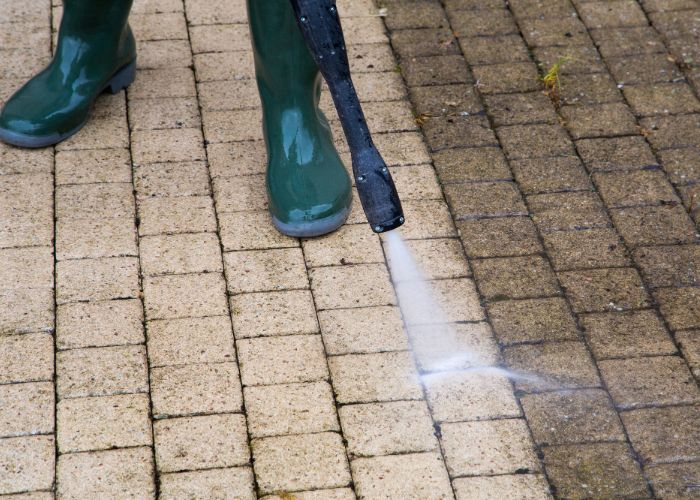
pixel 26 310
pixel 524 486
pixel 351 244
pixel 190 340
pixel 164 54
pixel 106 474
pixel 159 26
pixel 427 219
pixel 93 166
pixel 417 182
pixel 237 159
pixel 189 178
pixel 102 132
pixel 25 161
pixel 234 125
pixel 26 409
pixel 220 38
pixel 101 371
pixel 420 475
pixel 273 313
pixel 26 463
pixel 201 442
pixel 334 494
pixel 163 82
pixel 170 145
pixel 180 254
pixel 195 389
pixel 95 238
pixel 362 330
pixel 300 462
pixel 229 95
pixel 164 113
pixel 351 286
pixel 281 360
pixel 185 295
pixel 453 346
pixel 439 258
pixel 488 447
pixel 34 495
pixel 26 358
pixel 97 279
pixel 191 214
pixel 402 148
pixel 472 395
pixel 215 66
pixel 266 270
pixel 359 378
pixel 251 231
pixel 100 423
pixel 29 267
pixel 97 324
pixel 216 12
pixel 216 484
pixel 387 428
pixel 240 193
pixel 452 300
pixel 275 410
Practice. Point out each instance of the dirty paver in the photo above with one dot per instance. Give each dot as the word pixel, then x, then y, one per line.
pixel 147 350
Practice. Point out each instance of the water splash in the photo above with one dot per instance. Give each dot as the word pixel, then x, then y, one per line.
pixel 440 345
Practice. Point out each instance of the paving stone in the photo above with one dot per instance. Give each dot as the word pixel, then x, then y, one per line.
pixel 26 409
pixel 483 199
pixel 550 174
pixel 418 15
pixel 654 225
pixel 27 463
pixel 364 330
pixel 251 231
pixel 172 179
pixel 615 153
pixel 516 321
pixel 180 253
pixel 520 108
pixel 167 215
pixel 266 270
pixel 669 265
pixel 615 14
pixel 460 396
pixel 93 166
pixel 674 480
pixel 332 494
pixel 408 43
pixel 351 286
pixel 506 77
pixel 162 82
pixel 212 483
pixel 26 358
pixel 598 290
pixel 566 31
pixel 275 410
pixel 101 371
pixel 534 141
pixel 190 340
pixel 626 334
pixel 599 120
pixel 679 307
pixel 515 278
pixel 590 90
pixel 661 98
pixel 446 99
pixel 420 475
pixel 107 473
pixel 652 188
pixel 671 131
pixel 582 59
pixel 305 461
pixel 95 238
pixel 594 470
pixel 489 447
pixel 195 389
pixel 361 378
pixel 99 423
pixel 273 313
pixel 27 267
pixel 664 434
pixel 572 417
pixel 439 258
pixel 427 219
pixel 97 279
pixel 444 132
pixel 526 486
pixel 279 360
pixel 185 295
pixel 657 380
pixel 458 298
pixel 494 49
pixel 200 442
pixel 560 365
pixel 98 324
pixel 644 69
pixel 526 9
pixel 588 248
pixel 351 244
pixel 487 22
pixel 471 164
pixel 681 165
pixel 26 310
pixel 499 237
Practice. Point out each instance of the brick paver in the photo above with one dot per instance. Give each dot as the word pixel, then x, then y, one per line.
pixel 158 338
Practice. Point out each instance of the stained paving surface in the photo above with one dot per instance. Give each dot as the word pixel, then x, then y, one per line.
pixel 159 338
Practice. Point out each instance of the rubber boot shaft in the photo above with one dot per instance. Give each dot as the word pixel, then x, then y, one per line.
pixel 320 25
pixel 309 189
pixel 96 51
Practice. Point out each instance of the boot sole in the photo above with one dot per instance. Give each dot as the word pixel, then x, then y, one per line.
pixel 313 228
pixel 120 80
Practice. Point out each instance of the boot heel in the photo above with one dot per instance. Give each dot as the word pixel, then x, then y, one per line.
pixel 122 79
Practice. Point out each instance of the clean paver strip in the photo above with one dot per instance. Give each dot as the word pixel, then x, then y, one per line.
pixel 159 338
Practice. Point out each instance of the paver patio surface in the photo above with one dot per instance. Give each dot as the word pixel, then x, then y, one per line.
pixel 158 338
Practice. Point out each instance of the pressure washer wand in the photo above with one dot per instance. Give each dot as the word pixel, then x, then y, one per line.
pixel 320 25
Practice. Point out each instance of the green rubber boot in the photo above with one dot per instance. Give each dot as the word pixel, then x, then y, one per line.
pixel 96 52
pixel 308 188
